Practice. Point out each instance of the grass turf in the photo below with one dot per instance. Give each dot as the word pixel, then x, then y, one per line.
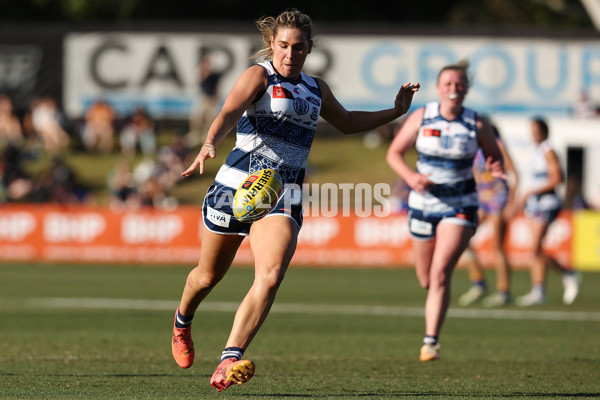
pixel 311 351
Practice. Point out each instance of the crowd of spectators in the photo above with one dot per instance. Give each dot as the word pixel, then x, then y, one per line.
pixel 143 174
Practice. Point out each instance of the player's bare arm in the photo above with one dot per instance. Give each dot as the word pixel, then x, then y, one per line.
pixel 360 121
pixel 248 86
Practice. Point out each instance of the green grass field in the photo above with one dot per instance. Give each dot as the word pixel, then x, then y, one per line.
pixel 103 332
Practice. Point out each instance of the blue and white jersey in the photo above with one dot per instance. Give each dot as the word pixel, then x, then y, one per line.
pixel 446 152
pixel 276 131
pixel 539 165
pixel 544 203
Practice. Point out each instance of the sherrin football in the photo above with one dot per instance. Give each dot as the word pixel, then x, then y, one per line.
pixel 257 195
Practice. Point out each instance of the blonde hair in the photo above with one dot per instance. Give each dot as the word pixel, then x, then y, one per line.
pixel 269 26
pixel 460 66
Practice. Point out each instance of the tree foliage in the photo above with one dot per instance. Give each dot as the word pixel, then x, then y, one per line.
pixel 568 14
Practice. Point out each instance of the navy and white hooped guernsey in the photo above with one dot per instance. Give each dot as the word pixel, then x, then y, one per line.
pixel 446 152
pixel 544 206
pixel 276 132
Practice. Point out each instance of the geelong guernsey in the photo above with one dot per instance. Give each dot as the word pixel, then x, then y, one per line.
pixel 539 165
pixel 539 174
pixel 276 131
pixel 446 151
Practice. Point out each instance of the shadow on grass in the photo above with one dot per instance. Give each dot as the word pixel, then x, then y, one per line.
pixel 27 374
pixel 423 394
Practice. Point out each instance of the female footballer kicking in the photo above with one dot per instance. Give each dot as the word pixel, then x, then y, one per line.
pixel 276 107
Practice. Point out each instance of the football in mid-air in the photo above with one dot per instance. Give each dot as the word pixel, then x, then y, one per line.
pixel 257 195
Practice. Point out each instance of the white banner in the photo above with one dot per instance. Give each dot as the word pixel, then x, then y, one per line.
pixel 159 70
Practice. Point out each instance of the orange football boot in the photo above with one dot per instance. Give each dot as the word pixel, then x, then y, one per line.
pixel 232 371
pixel 430 352
pixel 182 345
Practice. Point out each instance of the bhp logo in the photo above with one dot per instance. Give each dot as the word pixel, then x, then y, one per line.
pixel 82 228
pixel 150 229
pixel 16 226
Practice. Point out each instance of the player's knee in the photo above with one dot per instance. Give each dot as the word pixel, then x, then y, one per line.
pixel 271 277
pixel 202 280
pixel 440 279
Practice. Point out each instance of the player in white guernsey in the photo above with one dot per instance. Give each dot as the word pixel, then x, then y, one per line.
pixel 542 206
pixel 276 107
pixel 443 202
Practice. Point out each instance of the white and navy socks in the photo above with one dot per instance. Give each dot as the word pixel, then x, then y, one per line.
pixel 432 340
pixel 232 352
pixel 480 283
pixel 539 289
pixel 181 321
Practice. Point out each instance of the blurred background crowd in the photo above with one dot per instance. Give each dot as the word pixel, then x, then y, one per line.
pixel 37 144
pixel 43 151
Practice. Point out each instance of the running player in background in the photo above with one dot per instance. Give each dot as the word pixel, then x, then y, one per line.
pixel 496 206
pixel 443 201
pixel 542 206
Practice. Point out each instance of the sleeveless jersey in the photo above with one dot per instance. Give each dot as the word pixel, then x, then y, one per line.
pixel 545 202
pixel 446 151
pixel 276 131
pixel 539 165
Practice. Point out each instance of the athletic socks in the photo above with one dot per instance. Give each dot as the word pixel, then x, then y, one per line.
pixel 182 321
pixel 480 283
pixel 432 340
pixel 539 289
pixel 232 352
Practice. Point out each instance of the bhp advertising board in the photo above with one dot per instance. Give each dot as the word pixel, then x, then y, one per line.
pixel 96 234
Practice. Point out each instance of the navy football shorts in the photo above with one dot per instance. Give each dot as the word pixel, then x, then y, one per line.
pixel 423 225
pixel 218 215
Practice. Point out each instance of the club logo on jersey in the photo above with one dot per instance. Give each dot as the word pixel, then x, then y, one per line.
pixel 447 141
pixel 301 106
pixel 432 132
pixel 282 93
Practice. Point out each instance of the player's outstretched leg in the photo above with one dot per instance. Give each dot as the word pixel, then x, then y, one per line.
pixel 182 345
pixel 232 371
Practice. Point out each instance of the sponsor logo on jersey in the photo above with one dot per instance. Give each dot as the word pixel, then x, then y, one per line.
pixel 421 227
pixel 313 100
pixel 465 216
pixel 282 93
pixel 314 115
pixel 217 217
pixel 432 132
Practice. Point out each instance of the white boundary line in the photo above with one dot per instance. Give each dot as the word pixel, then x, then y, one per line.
pixel 294 308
